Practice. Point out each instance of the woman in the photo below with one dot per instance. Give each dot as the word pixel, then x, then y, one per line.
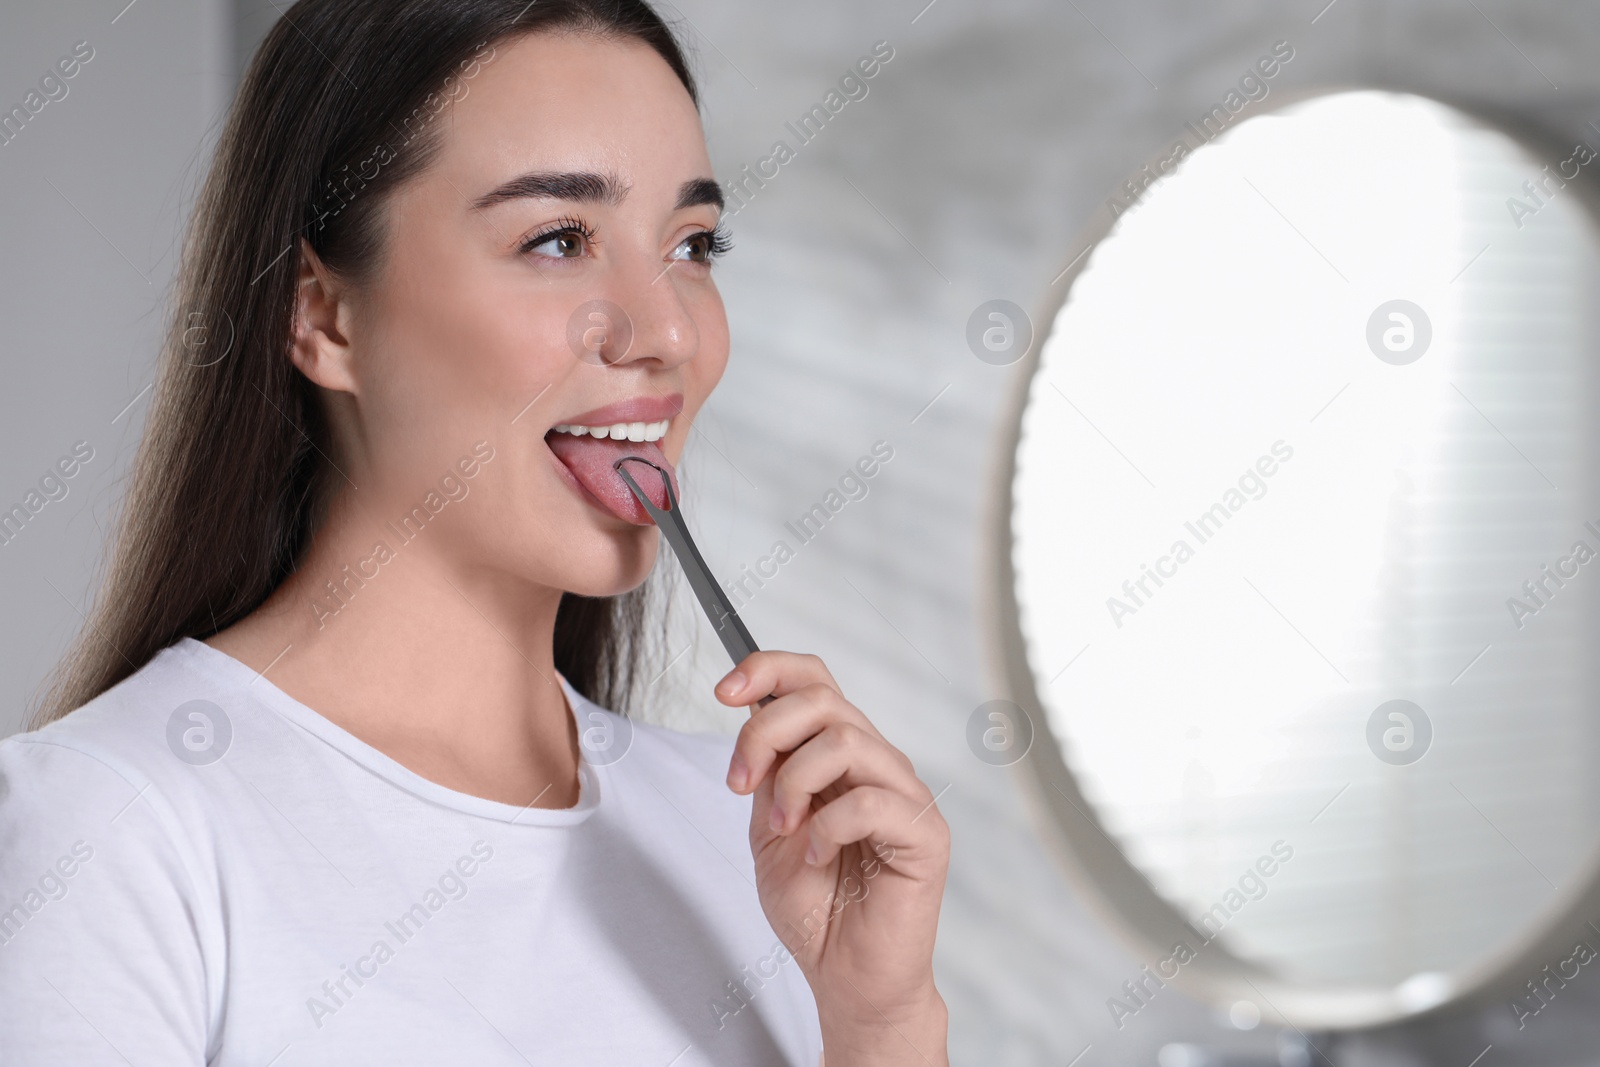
pixel 376 483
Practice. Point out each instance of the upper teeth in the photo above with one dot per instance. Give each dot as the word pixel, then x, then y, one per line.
pixel 620 431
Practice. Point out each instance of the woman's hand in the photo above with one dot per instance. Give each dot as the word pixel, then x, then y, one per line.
pixel 850 856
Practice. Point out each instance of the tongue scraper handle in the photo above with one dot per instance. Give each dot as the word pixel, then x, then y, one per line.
pixel 724 620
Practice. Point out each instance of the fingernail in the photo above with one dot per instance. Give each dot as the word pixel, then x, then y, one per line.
pixel 811 855
pixel 738 774
pixel 732 683
pixel 776 818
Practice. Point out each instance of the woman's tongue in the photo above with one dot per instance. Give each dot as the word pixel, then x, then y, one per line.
pixel 591 460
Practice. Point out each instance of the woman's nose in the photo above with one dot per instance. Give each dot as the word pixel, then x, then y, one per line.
pixel 642 317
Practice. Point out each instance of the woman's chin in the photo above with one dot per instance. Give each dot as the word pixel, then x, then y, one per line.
pixel 622 567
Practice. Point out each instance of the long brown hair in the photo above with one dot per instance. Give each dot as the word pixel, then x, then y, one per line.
pixel 230 479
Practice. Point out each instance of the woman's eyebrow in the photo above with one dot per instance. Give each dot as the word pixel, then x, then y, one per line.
pixel 588 187
pixel 581 186
pixel 698 191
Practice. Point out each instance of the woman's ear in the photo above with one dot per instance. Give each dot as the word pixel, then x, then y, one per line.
pixel 319 342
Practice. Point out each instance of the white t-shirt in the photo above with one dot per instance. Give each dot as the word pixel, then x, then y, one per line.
pixel 196 868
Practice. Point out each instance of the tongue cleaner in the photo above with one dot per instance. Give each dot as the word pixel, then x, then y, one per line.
pixel 724 620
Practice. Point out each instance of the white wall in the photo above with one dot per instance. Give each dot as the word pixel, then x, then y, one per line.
pixel 94 191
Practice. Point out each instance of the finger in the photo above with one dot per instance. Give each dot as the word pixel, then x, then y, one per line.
pixel 910 828
pixel 771 674
pixel 785 725
pixel 842 753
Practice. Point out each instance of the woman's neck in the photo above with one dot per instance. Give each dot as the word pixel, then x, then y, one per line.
pixel 448 670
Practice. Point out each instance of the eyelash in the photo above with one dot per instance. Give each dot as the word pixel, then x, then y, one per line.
pixel 562 226
pixel 720 244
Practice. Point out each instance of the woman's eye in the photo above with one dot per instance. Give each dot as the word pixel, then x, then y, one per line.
pixel 703 247
pixel 568 243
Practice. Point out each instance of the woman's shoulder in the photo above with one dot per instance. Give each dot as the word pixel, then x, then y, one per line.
pixel 100 871
pixel 164 717
pixel 108 781
pixel 688 769
pixel 133 759
pixel 608 737
pixel 706 752
pixel 92 782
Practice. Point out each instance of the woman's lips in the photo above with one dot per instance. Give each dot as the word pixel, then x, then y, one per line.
pixel 634 409
pixel 591 462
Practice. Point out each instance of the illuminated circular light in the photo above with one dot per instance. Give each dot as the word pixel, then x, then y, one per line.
pixel 1244 1015
pixel 1235 533
pixel 1423 991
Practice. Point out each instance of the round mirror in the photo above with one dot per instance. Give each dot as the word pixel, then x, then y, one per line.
pixel 1302 588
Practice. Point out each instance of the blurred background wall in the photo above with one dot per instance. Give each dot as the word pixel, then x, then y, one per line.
pixel 983 150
